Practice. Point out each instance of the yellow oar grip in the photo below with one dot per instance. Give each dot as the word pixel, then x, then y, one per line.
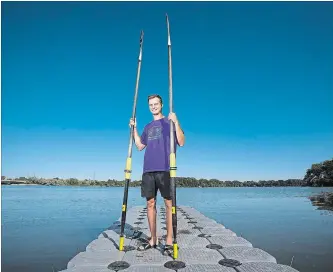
pixel 172 164
pixel 123 208
pixel 128 168
pixel 121 244
pixel 175 251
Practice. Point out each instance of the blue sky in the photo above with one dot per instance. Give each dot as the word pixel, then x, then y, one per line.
pixel 252 84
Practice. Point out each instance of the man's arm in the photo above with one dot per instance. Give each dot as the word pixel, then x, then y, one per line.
pixel 180 134
pixel 137 139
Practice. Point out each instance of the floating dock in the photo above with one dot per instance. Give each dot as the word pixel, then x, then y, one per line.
pixel 204 245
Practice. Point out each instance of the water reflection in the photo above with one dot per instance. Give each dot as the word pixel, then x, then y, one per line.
pixel 323 200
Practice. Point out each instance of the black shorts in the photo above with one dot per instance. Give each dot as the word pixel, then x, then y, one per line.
pixel 153 181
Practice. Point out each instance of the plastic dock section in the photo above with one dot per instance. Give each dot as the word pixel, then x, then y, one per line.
pixel 204 245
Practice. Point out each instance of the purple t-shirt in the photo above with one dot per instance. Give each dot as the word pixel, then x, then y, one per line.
pixel 156 137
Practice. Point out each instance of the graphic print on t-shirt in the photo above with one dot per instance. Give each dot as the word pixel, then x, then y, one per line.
pixel 154 133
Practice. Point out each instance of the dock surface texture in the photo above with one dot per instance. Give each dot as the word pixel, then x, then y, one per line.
pixel 204 245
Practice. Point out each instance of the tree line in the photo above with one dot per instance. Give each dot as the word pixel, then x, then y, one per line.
pixel 319 175
pixel 180 182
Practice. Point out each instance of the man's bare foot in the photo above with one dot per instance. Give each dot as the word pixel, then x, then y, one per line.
pixel 168 248
pixel 153 241
pixel 148 244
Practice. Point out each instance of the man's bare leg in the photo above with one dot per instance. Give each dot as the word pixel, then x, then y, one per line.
pixel 168 208
pixel 151 213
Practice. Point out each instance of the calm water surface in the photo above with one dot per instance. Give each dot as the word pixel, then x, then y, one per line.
pixel 44 227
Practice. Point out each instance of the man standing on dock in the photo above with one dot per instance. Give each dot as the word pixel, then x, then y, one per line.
pixel 156 167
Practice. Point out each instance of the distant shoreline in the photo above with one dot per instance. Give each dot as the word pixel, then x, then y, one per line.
pixel 180 182
pixel 319 175
pixel 85 185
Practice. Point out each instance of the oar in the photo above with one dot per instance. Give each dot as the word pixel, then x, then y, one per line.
pixel 128 168
pixel 173 167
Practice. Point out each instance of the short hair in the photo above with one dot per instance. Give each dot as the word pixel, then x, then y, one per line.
pixel 153 96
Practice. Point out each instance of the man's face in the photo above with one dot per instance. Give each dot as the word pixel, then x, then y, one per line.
pixel 155 105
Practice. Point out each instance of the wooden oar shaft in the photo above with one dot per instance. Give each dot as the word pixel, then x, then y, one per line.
pixel 128 168
pixel 172 152
pixel 135 95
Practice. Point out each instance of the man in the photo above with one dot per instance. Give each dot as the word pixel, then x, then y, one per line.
pixel 156 167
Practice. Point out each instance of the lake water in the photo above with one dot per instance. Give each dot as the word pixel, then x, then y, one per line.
pixel 44 227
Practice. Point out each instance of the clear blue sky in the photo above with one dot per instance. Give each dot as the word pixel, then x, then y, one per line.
pixel 252 83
